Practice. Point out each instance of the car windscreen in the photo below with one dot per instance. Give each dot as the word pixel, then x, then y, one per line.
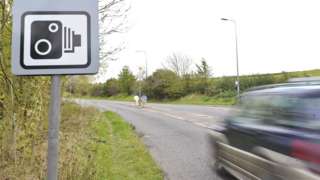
pixel 281 109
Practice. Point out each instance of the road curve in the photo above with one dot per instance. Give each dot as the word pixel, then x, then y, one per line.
pixel 175 134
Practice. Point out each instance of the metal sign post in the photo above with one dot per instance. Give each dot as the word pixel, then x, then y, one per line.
pixel 53 129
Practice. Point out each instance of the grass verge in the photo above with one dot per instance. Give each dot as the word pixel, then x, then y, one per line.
pixel 101 146
pixel 121 97
pixel 93 146
pixel 118 153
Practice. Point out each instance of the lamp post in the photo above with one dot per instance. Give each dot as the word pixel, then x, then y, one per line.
pixel 237 54
pixel 140 78
pixel 146 59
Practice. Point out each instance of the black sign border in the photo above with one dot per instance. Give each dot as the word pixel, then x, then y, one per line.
pixel 55 13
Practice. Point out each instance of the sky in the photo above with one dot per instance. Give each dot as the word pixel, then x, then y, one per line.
pixel 274 35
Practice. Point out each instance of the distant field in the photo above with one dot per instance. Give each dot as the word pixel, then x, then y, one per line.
pixel 226 90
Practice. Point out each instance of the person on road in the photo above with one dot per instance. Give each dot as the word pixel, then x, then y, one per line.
pixel 136 99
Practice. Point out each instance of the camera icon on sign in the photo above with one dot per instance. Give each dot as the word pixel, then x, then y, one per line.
pixel 50 39
pixel 55 40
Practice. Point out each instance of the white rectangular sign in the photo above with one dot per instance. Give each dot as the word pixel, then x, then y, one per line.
pixel 55 39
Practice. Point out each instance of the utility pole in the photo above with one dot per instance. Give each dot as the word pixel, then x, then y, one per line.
pixel 140 78
pixel 146 60
pixel 237 52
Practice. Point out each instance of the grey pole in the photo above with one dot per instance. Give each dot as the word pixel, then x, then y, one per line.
pixel 146 59
pixel 237 57
pixel 237 53
pixel 146 56
pixel 53 129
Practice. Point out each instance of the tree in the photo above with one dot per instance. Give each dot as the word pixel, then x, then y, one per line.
pixel 97 90
pixel 112 87
pixel 178 63
pixel 203 75
pixel 164 84
pixel 203 69
pixel 78 85
pixel 113 20
pixel 187 83
pixel 126 81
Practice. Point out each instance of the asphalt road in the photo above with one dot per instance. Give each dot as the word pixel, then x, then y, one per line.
pixel 176 135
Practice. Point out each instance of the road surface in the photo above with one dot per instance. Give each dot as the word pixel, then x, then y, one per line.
pixel 176 135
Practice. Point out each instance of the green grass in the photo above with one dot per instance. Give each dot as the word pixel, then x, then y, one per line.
pixel 121 97
pixel 120 154
pixel 100 146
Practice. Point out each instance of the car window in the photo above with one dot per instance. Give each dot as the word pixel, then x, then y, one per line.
pixel 300 113
pixel 280 109
pixel 255 109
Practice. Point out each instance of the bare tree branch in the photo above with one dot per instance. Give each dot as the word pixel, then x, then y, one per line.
pixel 178 63
pixel 113 21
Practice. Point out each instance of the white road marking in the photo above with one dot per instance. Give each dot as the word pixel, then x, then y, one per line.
pixel 201 115
pixel 199 124
pixel 166 114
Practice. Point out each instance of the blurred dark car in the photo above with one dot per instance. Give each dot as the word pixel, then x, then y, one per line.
pixel 274 133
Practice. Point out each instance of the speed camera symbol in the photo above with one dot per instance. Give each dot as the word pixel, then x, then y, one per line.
pixel 55 40
pixel 50 39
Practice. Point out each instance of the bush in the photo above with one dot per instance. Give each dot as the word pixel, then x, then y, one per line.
pixel 164 84
pixel 112 87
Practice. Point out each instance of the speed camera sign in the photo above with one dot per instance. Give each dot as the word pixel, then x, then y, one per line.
pixel 55 37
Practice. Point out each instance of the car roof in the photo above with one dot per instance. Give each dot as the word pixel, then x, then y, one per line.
pixel 301 89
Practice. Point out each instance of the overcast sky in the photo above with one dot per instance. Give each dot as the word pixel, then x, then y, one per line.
pixel 274 35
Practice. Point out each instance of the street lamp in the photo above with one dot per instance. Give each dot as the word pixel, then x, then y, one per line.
pixel 146 59
pixel 140 78
pixel 237 54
